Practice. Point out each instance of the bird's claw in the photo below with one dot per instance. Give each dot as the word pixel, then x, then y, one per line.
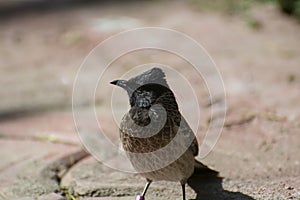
pixel 139 197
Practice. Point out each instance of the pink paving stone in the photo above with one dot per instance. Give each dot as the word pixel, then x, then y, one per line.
pixel 55 125
pixel 51 196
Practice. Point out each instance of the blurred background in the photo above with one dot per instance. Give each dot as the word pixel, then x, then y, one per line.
pixel 255 44
pixel 44 42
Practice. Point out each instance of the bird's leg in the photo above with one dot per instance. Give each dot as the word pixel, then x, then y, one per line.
pixel 183 191
pixel 142 197
pixel 146 187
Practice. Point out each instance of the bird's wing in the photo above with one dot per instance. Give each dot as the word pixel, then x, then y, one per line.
pixel 182 127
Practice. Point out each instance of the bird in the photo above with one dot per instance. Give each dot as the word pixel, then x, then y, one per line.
pixel 154 135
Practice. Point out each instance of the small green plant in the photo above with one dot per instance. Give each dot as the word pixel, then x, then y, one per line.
pixel 253 23
pixel 227 6
pixel 291 7
pixel 240 7
pixel 287 6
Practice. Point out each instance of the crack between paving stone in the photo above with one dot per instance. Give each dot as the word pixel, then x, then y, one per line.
pixel 241 121
pixel 56 170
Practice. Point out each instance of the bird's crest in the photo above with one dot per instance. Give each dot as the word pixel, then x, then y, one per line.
pixel 152 76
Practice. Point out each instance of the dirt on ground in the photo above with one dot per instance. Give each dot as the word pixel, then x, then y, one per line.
pixel 257 53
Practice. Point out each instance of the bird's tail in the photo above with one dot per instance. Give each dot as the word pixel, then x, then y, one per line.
pixel 203 170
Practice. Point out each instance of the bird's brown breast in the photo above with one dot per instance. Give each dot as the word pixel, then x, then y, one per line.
pixel 134 136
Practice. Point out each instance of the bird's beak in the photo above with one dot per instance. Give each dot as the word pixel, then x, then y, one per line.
pixel 120 83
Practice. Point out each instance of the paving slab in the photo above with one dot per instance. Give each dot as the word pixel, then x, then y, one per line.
pixel 51 196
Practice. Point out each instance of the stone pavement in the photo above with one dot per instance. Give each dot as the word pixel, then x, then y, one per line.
pixel 53 166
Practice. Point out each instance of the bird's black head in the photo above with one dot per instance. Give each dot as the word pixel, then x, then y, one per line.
pixel 144 89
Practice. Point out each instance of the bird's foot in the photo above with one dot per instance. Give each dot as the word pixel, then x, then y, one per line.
pixel 139 197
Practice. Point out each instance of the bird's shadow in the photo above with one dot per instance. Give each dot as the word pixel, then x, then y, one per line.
pixel 210 188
